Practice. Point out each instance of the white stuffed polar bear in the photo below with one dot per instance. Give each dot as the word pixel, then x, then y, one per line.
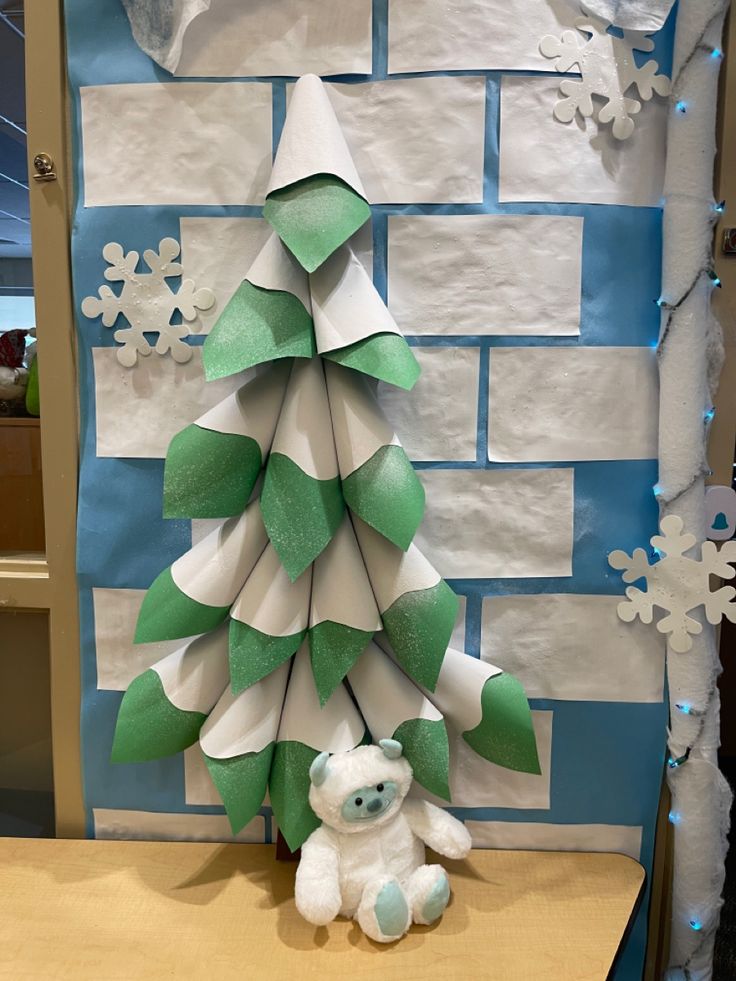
pixel 367 859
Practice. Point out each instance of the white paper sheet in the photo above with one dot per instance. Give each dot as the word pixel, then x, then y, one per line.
pixel 432 35
pixel 159 826
pixel 474 782
pixel 214 570
pixel 552 404
pixel 485 274
pixel 438 419
pixel 220 251
pixel 334 727
pixel 189 143
pixel 119 660
pixel 489 524
pixel 537 837
pixel 199 787
pixel 290 37
pixel 417 140
pixel 634 15
pixel 542 159
pixel 139 411
pixel 160 31
pixel 574 647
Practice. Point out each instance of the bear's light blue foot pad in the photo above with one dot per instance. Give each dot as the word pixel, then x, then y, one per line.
pixel 392 911
pixel 437 899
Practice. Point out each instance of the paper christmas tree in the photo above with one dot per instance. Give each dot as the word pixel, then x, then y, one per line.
pixel 309 621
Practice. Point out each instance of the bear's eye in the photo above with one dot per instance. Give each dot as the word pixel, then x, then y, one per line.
pixel 379 788
pixel 358 801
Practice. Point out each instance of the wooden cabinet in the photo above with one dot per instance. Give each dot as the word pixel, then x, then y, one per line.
pixel 21 487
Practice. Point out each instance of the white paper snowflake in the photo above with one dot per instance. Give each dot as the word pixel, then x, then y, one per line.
pixel 147 302
pixel 608 70
pixel 677 584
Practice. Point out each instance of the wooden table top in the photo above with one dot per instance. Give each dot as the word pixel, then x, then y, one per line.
pixel 132 911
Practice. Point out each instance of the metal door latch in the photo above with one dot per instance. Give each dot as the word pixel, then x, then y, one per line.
pixel 44 165
pixel 729 241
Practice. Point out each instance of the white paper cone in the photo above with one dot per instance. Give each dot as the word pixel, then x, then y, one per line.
pixel 214 570
pixel 248 722
pixel 312 141
pixel 341 590
pixel 275 268
pixel 345 304
pixel 359 426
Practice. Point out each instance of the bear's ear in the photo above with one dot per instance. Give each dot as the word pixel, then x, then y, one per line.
pixel 391 748
pixel 318 769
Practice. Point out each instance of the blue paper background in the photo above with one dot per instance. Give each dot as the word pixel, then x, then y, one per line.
pixel 606 757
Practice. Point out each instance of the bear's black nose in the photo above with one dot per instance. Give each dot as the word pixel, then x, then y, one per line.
pixel 375 805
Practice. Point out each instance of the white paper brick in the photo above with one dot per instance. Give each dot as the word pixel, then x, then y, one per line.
pixel 416 140
pixel 217 253
pixel 438 419
pixel 119 660
pixel 186 143
pixel 155 826
pixel 531 836
pixel 485 274
pixel 474 782
pixel 553 404
pixel 542 159
pixel 433 35
pixel 457 641
pixel 490 524
pixel 575 647
pixel 291 37
pixel 139 411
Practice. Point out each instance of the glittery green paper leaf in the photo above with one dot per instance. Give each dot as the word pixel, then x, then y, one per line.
pixel 314 216
pixel 419 625
pixel 254 654
pixel 387 494
pixel 149 726
pixel 334 648
pixel 384 356
pixel 427 748
pixel 505 734
pixel 288 787
pixel 241 782
pixel 257 325
pixel 301 514
pixel 167 613
pixel 209 474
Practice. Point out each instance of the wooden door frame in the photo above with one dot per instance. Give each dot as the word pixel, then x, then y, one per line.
pixel 34 582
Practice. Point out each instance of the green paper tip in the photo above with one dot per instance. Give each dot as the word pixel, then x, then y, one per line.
pixel 384 356
pixel 334 648
pixel 387 494
pixel 419 625
pixel 505 735
pixel 314 216
pixel 148 726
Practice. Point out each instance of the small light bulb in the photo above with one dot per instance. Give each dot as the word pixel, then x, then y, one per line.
pixel 696 924
pixel 656 490
pixel 716 53
pixel 675 817
pixel 685 708
pixel 710 415
pixel 681 106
